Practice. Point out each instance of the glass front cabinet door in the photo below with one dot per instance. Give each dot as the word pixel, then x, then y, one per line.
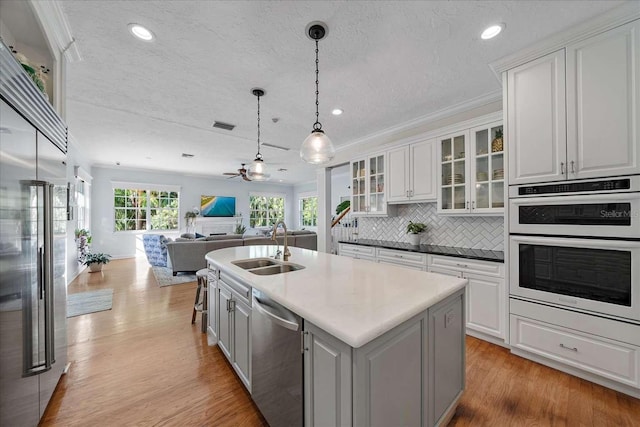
pixel 368 186
pixel 487 179
pixel 453 173
pixel 471 171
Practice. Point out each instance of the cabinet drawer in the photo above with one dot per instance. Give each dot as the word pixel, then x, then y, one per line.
pixel 351 250
pixel 487 268
pixel 238 288
pixel 403 257
pixel 402 264
pixel 610 359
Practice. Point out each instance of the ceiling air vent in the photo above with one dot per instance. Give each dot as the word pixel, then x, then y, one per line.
pixel 187 155
pixel 278 147
pixel 222 125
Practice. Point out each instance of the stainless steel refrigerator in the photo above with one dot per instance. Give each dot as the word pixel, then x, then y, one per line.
pixel 33 229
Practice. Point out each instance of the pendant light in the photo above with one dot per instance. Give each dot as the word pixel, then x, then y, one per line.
pixel 257 169
pixel 317 148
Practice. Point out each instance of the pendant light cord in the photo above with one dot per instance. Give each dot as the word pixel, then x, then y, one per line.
pixel 317 125
pixel 258 156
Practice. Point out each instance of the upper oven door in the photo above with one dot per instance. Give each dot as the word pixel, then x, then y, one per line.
pixel 599 215
pixel 601 276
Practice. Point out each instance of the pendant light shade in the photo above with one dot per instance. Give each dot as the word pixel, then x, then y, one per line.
pixel 257 169
pixel 317 147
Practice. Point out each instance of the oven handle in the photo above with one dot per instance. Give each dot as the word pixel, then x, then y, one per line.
pixel 573 199
pixel 575 242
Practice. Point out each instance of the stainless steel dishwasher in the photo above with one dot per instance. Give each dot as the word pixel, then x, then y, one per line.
pixel 276 362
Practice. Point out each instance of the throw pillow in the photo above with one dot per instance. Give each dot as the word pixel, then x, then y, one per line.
pixel 198 235
pixel 188 236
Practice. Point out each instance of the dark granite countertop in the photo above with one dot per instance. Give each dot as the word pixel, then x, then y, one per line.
pixel 480 254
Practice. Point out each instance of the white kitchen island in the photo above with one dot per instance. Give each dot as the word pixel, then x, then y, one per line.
pixel 383 345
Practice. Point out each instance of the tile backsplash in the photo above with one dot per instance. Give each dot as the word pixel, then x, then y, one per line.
pixel 486 232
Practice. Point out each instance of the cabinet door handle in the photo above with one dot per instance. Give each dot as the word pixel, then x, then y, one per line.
pixel 569 348
pixel 473 204
pixel 463 265
pixel 572 167
pixel 561 168
pixel 228 305
pixel 467 204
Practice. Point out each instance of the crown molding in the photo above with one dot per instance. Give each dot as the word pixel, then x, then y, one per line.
pixel 56 28
pixel 429 118
pixel 620 15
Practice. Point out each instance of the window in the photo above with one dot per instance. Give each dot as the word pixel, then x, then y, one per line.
pixel 136 209
pixel 82 202
pixel 265 209
pixel 309 211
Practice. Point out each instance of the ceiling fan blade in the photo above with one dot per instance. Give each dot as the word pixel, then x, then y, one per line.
pixel 231 173
pixel 234 176
pixel 246 178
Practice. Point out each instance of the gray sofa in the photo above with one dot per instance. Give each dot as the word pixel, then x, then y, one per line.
pixel 188 254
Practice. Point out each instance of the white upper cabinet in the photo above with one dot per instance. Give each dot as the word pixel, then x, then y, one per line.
pixel 368 186
pixel 536 120
pixel 603 88
pixel 411 174
pixel 470 171
pixel 586 128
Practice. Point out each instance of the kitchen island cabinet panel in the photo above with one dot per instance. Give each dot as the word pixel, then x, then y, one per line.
pixel 390 364
pixel 242 340
pixel 327 364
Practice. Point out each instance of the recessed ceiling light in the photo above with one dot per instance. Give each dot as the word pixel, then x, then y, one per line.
pixel 492 31
pixel 337 111
pixel 141 32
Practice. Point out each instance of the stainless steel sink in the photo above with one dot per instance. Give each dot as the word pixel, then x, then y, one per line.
pixel 248 264
pixel 276 269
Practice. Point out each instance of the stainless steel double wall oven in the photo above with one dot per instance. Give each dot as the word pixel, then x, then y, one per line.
pixel 577 245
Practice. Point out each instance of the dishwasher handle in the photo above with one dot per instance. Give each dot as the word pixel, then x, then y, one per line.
pixel 285 323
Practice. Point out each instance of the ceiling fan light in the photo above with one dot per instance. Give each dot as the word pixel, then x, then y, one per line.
pixel 317 148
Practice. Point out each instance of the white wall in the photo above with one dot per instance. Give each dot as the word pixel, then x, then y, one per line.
pixel 126 244
pixel 74 158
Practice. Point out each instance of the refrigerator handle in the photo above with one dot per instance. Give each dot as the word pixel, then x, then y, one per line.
pixel 49 339
pixel 41 272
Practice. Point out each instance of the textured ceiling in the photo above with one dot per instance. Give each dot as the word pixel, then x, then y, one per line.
pixel 385 63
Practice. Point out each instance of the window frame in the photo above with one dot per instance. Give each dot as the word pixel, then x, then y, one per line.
pixel 301 198
pixel 148 190
pixel 274 195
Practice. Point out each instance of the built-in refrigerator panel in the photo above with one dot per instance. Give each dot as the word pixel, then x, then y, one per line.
pixel 52 170
pixel 19 263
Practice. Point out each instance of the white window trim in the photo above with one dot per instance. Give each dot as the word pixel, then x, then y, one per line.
pixel 147 187
pixel 267 194
pixel 305 195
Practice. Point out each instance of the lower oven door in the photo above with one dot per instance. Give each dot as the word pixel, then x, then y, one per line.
pixel 600 276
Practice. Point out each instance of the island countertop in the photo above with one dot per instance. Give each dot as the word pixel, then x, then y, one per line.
pixel 354 300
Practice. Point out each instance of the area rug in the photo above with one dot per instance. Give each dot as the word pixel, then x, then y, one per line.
pixel 165 277
pixel 89 302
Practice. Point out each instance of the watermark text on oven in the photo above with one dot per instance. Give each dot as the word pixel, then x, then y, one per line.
pixel 618 214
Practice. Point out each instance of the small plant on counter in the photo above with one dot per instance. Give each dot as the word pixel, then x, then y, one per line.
pixel 240 229
pixel 416 227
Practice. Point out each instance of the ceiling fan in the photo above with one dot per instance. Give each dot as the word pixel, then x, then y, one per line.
pixel 241 172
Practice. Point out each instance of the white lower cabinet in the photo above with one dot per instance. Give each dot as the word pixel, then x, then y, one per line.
pixel 412 375
pixel 357 251
pixel 561 338
pixel 415 260
pixel 327 386
pixel 233 314
pixel 212 304
pixel 485 306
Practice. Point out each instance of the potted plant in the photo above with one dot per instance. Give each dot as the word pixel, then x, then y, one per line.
pixel 83 240
pixel 190 216
pixel 240 229
pixel 95 261
pixel 414 229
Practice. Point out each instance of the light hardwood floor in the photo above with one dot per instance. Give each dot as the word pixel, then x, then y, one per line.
pixel 143 363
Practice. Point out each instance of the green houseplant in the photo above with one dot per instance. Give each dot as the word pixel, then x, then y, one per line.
pixel 414 229
pixel 95 261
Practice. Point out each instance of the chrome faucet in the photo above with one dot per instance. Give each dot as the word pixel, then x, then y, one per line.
pixel 286 254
